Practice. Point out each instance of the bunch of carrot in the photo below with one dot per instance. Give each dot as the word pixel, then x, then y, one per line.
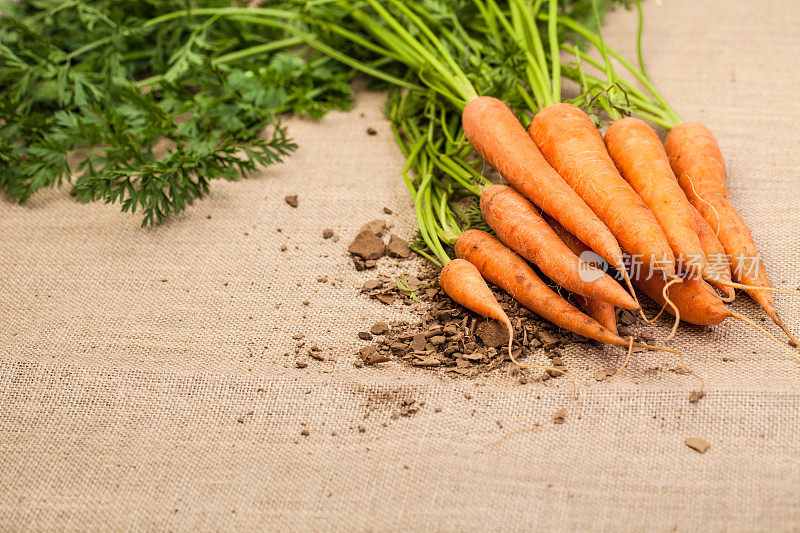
pixel 571 190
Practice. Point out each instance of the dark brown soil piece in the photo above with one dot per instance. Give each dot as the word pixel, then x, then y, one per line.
pixel 291 200
pixel 304 432
pixel 379 328
pixel 371 285
pixel 364 336
pixel 387 211
pixel 372 131
pixel 327 233
pixel 492 333
pixel 697 444
pixel 398 247
pixel 301 364
pixel 695 396
pixel 368 246
pixel 376 227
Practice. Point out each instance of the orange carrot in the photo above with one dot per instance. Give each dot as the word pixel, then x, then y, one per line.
pixel 462 282
pixel 717 268
pixel 500 139
pixel 570 142
pixel 640 157
pixel 502 267
pixel 520 226
pixel 700 168
pixel 601 311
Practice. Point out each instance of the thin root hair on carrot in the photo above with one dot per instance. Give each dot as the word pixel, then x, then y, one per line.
pixel 665 294
pixel 746 287
pixel 625 362
pixel 716 213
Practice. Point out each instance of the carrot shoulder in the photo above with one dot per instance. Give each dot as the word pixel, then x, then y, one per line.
pixel 572 145
pixel 496 134
pixel 520 226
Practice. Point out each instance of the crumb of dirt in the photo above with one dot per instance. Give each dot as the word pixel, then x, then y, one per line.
pixel 379 328
pixel 334 433
pixel 600 375
pixel 301 364
pixel 322 279
pixel 298 336
pixel 372 131
pixel 284 247
pixel 695 396
pixel 697 444
pixel 362 429
pixel 327 233
pixel 304 432
pixel 367 246
pixel 387 211
pixel 371 285
pixel 335 238
pixel 364 336
pixel 377 227
pixel 492 333
pixel 398 247
pixel 208 217
pixel 728 359
pixel 306 302
pixel 291 200
pixel 560 416
pixel 358 363
pixel 468 396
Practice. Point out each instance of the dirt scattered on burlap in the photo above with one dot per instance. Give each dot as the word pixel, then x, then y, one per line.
pixel 698 444
pixel 370 244
pixel 291 199
pixel 449 338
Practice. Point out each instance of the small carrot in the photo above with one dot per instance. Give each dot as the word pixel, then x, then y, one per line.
pixel 640 157
pixel 504 268
pixel 520 226
pixel 462 282
pixel 700 168
pixel 601 311
pixel 496 134
pixel 570 142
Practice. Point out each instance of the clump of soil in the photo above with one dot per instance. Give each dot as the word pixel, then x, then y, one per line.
pixel 451 338
pixel 369 245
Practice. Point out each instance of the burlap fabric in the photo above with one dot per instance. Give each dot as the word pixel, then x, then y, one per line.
pixel 144 386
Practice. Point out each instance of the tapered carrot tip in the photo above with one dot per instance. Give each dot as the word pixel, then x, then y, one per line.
pixel 462 282
pixel 775 318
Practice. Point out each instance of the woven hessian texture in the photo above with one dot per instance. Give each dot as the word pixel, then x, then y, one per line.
pixel 144 383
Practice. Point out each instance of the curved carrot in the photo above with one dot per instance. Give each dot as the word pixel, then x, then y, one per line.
pixel 496 134
pixel 640 157
pixel 570 142
pixel 520 226
pixel 718 269
pixel 700 168
pixel 504 268
pixel 462 282
pixel 601 311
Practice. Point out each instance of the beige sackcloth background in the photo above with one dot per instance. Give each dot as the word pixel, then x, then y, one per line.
pixel 129 355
